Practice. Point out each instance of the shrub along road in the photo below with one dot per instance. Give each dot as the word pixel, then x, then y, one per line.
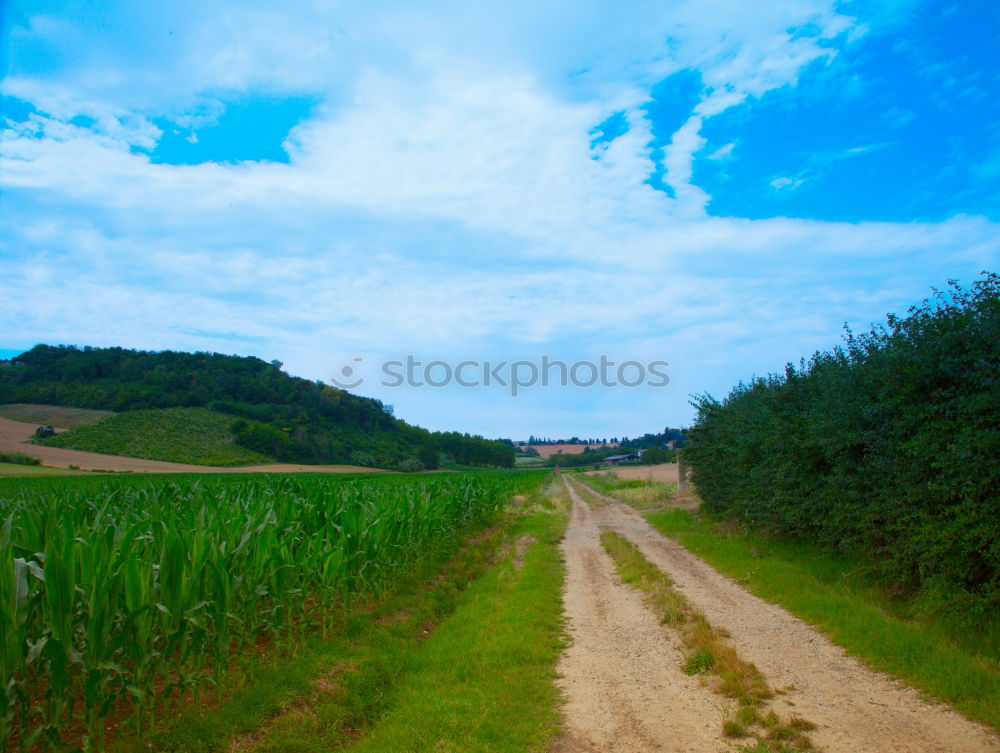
pixel 854 708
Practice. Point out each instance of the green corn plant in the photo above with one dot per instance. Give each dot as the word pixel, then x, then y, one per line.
pixel 113 588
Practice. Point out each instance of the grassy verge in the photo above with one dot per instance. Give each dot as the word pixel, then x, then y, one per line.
pixel 709 652
pixel 957 663
pixel 326 693
pixel 484 680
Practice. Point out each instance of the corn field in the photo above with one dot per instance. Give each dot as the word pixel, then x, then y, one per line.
pixel 128 592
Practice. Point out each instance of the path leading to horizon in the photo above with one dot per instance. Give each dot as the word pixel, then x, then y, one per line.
pixel 625 689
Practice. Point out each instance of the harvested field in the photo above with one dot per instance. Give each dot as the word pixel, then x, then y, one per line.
pixel 546 450
pixel 52 415
pixel 664 472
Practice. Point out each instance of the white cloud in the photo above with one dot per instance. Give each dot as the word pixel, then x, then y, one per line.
pixel 722 152
pixel 784 183
pixel 444 196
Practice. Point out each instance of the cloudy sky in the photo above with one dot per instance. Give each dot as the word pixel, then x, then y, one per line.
pixel 718 184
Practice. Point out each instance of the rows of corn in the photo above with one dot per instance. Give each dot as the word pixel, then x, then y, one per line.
pixel 127 593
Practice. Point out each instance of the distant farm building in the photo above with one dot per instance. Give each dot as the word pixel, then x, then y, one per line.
pixel 615 459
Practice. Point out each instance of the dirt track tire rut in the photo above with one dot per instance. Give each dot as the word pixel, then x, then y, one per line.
pixel 621 676
pixel 857 710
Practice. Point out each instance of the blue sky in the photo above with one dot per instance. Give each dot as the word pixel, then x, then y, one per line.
pixel 716 184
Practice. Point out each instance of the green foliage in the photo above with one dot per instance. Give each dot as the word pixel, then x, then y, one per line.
pixel 888 447
pixel 179 435
pixel 19 458
pixel 309 422
pixel 484 679
pixel 657 455
pixel 428 457
pixel 129 588
pixel 699 662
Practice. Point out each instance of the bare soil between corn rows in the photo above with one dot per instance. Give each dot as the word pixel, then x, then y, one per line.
pixel 623 685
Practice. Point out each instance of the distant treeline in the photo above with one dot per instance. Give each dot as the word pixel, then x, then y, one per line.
pixel 291 419
pixel 888 447
pixel 572 440
pixel 659 439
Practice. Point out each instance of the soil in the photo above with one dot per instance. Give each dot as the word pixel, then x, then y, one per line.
pixel 621 676
pixel 856 709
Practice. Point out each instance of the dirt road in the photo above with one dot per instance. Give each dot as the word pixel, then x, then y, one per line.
pixel 621 675
pixel 14 434
pixel 856 710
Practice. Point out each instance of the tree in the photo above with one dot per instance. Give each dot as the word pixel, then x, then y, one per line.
pixel 654 456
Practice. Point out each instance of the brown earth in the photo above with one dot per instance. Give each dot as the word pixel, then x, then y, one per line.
pixel 621 675
pixel 52 415
pixel 14 436
pixel 857 710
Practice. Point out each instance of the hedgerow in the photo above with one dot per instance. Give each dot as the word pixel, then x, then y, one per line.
pixel 887 446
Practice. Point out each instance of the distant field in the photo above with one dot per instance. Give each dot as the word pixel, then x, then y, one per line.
pixel 52 415
pixel 523 461
pixel 545 450
pixel 665 472
pixel 9 470
pixel 178 435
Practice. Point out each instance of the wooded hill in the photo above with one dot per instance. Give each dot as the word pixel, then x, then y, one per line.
pixel 284 417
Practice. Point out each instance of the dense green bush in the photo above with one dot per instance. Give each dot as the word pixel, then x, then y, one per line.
pixel 888 446
pixel 19 458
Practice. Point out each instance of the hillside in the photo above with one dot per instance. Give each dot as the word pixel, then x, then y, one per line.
pixel 284 417
pixel 52 415
pixel 178 435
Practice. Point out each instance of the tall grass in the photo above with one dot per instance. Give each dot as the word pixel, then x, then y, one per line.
pixel 641 495
pixel 131 592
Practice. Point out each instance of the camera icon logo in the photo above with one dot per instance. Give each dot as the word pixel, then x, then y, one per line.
pixel 347 373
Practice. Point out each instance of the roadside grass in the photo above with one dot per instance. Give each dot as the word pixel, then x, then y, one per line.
pixel 642 495
pixel 52 415
pixel 947 659
pixel 709 652
pixel 179 435
pixel 327 692
pixel 484 680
